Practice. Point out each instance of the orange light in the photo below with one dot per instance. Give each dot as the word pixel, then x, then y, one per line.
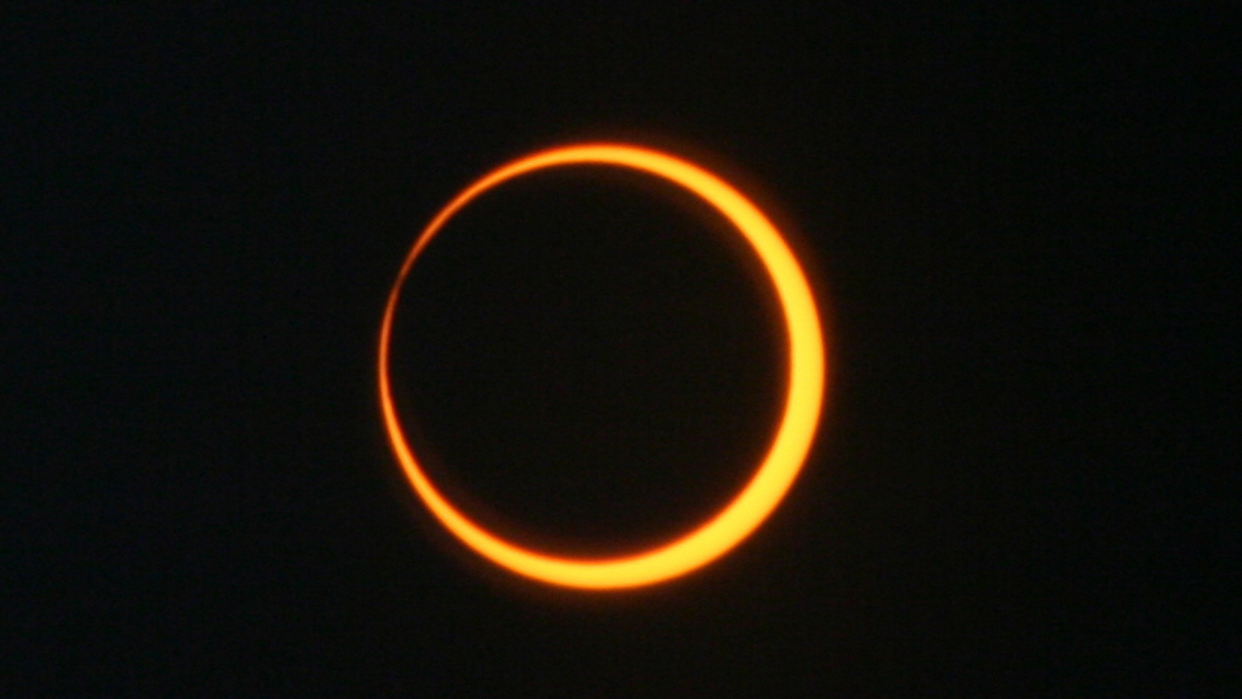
pixel 789 446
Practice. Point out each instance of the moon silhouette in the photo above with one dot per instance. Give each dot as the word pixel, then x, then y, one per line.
pixel 790 444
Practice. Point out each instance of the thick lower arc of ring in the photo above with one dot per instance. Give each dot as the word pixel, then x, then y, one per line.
pixel 785 456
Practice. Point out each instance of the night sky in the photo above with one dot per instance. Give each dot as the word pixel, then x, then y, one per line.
pixel 1012 219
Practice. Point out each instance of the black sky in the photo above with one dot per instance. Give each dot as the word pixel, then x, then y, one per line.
pixel 1014 220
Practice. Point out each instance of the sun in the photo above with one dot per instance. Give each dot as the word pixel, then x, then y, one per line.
pixel 790 444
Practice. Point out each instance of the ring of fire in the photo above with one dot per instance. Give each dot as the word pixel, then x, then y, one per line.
pixel 789 446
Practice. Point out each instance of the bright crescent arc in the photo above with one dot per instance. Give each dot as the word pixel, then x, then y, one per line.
pixel 790 445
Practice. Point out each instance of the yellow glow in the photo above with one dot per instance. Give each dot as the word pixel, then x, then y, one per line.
pixel 789 446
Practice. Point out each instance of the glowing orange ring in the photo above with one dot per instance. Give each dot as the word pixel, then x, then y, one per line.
pixel 789 446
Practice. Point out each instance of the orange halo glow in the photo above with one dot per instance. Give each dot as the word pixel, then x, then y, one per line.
pixel 789 446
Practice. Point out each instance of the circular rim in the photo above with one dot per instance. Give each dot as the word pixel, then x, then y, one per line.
pixel 789 447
